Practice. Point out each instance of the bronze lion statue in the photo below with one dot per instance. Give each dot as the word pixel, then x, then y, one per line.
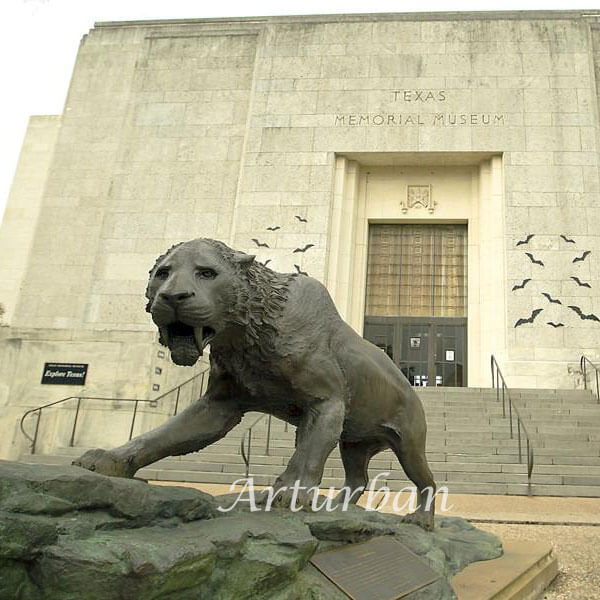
pixel 278 346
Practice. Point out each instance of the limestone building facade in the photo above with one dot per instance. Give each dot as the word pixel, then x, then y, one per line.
pixel 442 169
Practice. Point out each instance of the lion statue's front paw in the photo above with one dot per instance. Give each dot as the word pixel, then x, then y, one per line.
pixel 105 463
pixel 421 518
pixel 282 496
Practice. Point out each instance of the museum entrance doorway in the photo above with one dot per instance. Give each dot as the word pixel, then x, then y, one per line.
pixel 416 300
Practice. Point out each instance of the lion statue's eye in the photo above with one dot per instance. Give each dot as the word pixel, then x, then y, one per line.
pixel 206 274
pixel 162 273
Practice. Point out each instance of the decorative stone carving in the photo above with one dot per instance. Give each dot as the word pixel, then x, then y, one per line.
pixel 418 196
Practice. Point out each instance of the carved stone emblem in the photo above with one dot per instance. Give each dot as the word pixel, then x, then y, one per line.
pixel 418 196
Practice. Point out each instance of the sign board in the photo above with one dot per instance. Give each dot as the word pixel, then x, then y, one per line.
pixel 381 568
pixel 449 355
pixel 415 342
pixel 64 373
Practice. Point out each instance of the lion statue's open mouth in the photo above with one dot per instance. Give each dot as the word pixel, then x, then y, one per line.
pixel 185 342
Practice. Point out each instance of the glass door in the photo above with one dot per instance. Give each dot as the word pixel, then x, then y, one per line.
pixel 428 351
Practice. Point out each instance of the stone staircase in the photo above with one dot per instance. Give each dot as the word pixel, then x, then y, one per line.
pixel 469 447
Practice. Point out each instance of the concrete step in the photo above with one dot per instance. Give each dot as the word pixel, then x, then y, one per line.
pixel 473 394
pixel 456 443
pixel 268 464
pixel 536 411
pixel 566 427
pixel 459 478
pixel 577 435
pixel 454 487
pixel 552 469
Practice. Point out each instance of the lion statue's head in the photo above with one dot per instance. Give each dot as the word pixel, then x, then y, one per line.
pixel 202 292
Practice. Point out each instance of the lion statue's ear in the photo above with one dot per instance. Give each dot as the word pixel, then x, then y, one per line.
pixel 243 259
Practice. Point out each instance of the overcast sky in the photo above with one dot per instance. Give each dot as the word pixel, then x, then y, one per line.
pixel 40 38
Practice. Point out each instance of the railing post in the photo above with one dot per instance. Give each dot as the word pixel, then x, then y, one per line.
pixel 75 422
pixel 519 433
pixel 35 433
pixel 597 388
pixel 529 467
pixel 135 407
pixel 177 400
pixel 249 450
pixel 584 371
pixel 202 383
pixel 193 392
pixel 510 418
pixel 268 436
pixel 503 401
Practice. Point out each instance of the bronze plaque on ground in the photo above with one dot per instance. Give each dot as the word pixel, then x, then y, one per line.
pixel 380 569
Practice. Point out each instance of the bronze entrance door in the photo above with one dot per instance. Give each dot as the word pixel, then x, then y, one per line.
pixel 417 298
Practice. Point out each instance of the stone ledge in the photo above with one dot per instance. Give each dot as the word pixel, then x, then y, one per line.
pixel 524 571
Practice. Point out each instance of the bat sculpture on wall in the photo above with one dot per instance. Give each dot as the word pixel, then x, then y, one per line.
pixel 581 283
pixel 530 319
pixel 582 257
pixel 299 271
pixel 534 260
pixel 521 285
pixel 550 298
pixel 304 249
pixel 582 315
pixel 526 240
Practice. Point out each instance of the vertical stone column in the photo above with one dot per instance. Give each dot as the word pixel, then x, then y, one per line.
pixel 492 271
pixel 340 263
pixel 22 211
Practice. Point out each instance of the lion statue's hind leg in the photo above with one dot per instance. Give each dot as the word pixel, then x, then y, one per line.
pixel 410 451
pixel 355 458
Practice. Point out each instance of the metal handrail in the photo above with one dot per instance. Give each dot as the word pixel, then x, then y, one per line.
pixel 200 375
pixel 153 402
pixel 248 433
pixel 582 362
pixel 39 409
pixel 498 378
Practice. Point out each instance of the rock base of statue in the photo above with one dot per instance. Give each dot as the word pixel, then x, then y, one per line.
pixel 67 533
